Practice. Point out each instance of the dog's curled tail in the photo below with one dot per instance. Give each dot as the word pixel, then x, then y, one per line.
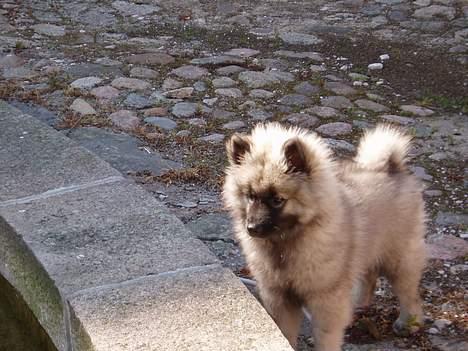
pixel 383 149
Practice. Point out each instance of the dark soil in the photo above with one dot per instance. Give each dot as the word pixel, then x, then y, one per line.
pixel 412 70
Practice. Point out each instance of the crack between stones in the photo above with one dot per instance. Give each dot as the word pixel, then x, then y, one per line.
pixel 61 191
pixel 227 241
pixel 148 276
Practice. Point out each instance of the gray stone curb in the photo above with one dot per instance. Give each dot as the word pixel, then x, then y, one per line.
pixel 102 264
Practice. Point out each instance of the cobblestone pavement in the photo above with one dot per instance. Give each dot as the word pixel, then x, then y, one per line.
pixel 155 87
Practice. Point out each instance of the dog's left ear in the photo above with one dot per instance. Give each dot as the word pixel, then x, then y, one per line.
pixel 296 157
pixel 237 146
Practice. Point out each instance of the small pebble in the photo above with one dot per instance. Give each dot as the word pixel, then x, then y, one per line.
pixel 384 57
pixel 187 204
pixel 375 66
pixel 441 323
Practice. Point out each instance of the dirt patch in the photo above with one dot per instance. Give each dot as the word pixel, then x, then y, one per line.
pixel 412 70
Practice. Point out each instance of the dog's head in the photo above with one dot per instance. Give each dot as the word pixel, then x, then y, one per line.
pixel 273 181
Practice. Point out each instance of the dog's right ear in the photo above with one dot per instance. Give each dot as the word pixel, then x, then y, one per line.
pixel 237 146
pixel 296 157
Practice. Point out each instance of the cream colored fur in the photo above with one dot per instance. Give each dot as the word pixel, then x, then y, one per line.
pixel 354 222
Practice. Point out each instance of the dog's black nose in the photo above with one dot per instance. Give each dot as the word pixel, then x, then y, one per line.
pixel 257 229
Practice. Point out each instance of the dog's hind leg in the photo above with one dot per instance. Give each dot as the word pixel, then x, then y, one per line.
pixel 405 276
pixel 363 290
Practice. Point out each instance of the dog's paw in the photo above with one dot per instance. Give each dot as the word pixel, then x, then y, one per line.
pixel 407 327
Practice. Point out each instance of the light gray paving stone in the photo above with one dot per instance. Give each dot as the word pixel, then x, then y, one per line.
pixel 435 10
pixel 340 145
pixel 421 173
pixel 295 100
pixel 137 101
pixel 398 119
pixel 447 247
pixel 229 92
pixel 234 125
pixel 338 102
pixel 143 72
pixel 306 88
pixel 161 122
pixel 259 115
pixel 18 73
pixel 41 113
pixel 188 109
pixel 50 30
pixel 122 151
pixel 318 68
pixel 125 119
pixel 222 60
pixel 130 9
pixel 35 166
pixel 261 94
pixel 229 70
pixel 371 105
pixel 302 119
pixel 180 93
pixel 358 77
pixel 417 110
pixel 171 84
pixel 214 138
pixel 242 52
pixel 340 88
pixel 335 128
pixel 86 82
pixel 323 111
pixel 210 102
pixel 200 86
pixel 198 122
pixel 282 76
pixel 82 107
pixel 190 72
pixel 314 56
pixel 212 226
pixel 257 80
pixel 105 92
pixel 223 82
pixel 10 61
pixel 130 83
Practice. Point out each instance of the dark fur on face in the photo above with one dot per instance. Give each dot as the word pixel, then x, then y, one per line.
pixel 264 213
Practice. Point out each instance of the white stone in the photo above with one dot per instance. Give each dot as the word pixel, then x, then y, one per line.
pixel 86 82
pixel 375 66
pixel 82 107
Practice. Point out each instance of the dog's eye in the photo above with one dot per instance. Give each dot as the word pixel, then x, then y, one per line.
pixel 277 201
pixel 251 197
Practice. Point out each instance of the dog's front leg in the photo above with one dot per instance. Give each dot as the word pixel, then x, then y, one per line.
pixel 286 313
pixel 331 315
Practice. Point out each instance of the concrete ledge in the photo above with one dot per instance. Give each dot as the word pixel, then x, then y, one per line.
pixel 104 234
pixel 27 275
pixel 102 264
pixel 199 308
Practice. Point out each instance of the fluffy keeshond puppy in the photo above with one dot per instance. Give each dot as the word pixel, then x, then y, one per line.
pixel 317 233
